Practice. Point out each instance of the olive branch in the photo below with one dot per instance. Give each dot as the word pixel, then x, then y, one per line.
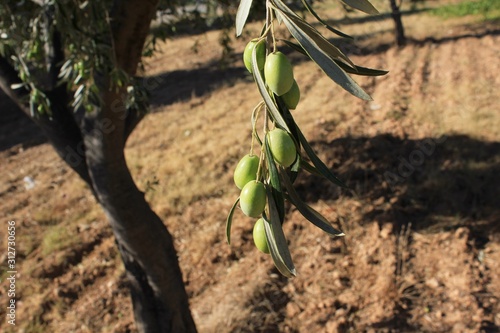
pixel 272 76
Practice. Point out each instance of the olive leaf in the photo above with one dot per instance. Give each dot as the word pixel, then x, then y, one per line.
pixel 321 51
pixel 357 70
pixel 294 46
pixel 242 15
pixel 320 167
pixel 265 93
pixel 229 221
pixel 295 169
pixel 328 65
pixel 362 5
pixel 308 212
pixel 310 168
pixel 288 118
pixel 320 20
pixel 330 49
pixel 278 246
pixel 274 180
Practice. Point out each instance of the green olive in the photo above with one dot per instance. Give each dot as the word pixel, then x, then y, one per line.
pixel 259 236
pixel 261 54
pixel 253 198
pixel 282 147
pixel 278 72
pixel 292 96
pixel 246 170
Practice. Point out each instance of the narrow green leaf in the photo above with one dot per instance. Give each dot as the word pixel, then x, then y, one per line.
pixel 358 70
pixel 320 166
pixel 242 15
pixel 273 250
pixel 295 46
pixel 79 91
pixel 278 16
pixel 287 116
pixel 276 241
pixel 229 221
pixel 323 58
pixel 308 212
pixel 295 169
pixel 330 49
pixel 274 178
pixel 67 65
pixel 271 106
pixel 310 168
pixel 17 85
pixel 320 20
pixel 362 5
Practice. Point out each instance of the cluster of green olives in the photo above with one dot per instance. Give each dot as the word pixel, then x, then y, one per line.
pixel 266 180
pixel 250 172
pixel 248 177
pixel 277 71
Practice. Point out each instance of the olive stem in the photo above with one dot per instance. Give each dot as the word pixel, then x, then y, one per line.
pixel 261 162
pixel 270 26
pixel 262 155
pixel 266 117
pixel 266 32
pixel 272 30
pixel 255 116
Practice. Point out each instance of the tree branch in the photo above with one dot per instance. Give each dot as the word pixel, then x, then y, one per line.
pixel 130 26
pixel 60 126
pixel 54 49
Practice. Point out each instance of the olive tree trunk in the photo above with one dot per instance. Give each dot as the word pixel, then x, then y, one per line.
pixel 157 288
pixel 92 144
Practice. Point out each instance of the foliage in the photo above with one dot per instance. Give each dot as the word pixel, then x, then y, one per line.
pixel 272 110
pixel 28 29
pixel 29 32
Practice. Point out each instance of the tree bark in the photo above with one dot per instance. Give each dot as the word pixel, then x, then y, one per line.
pixel 398 23
pixel 157 288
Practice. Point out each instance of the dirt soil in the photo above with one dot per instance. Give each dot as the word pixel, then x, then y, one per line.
pixel 422 245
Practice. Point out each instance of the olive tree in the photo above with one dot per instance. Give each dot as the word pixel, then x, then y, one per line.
pixel 73 67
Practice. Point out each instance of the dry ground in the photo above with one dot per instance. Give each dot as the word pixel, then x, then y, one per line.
pixel 422 245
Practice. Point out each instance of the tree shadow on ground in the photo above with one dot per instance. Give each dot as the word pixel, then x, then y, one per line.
pixel 433 183
pixel 182 85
